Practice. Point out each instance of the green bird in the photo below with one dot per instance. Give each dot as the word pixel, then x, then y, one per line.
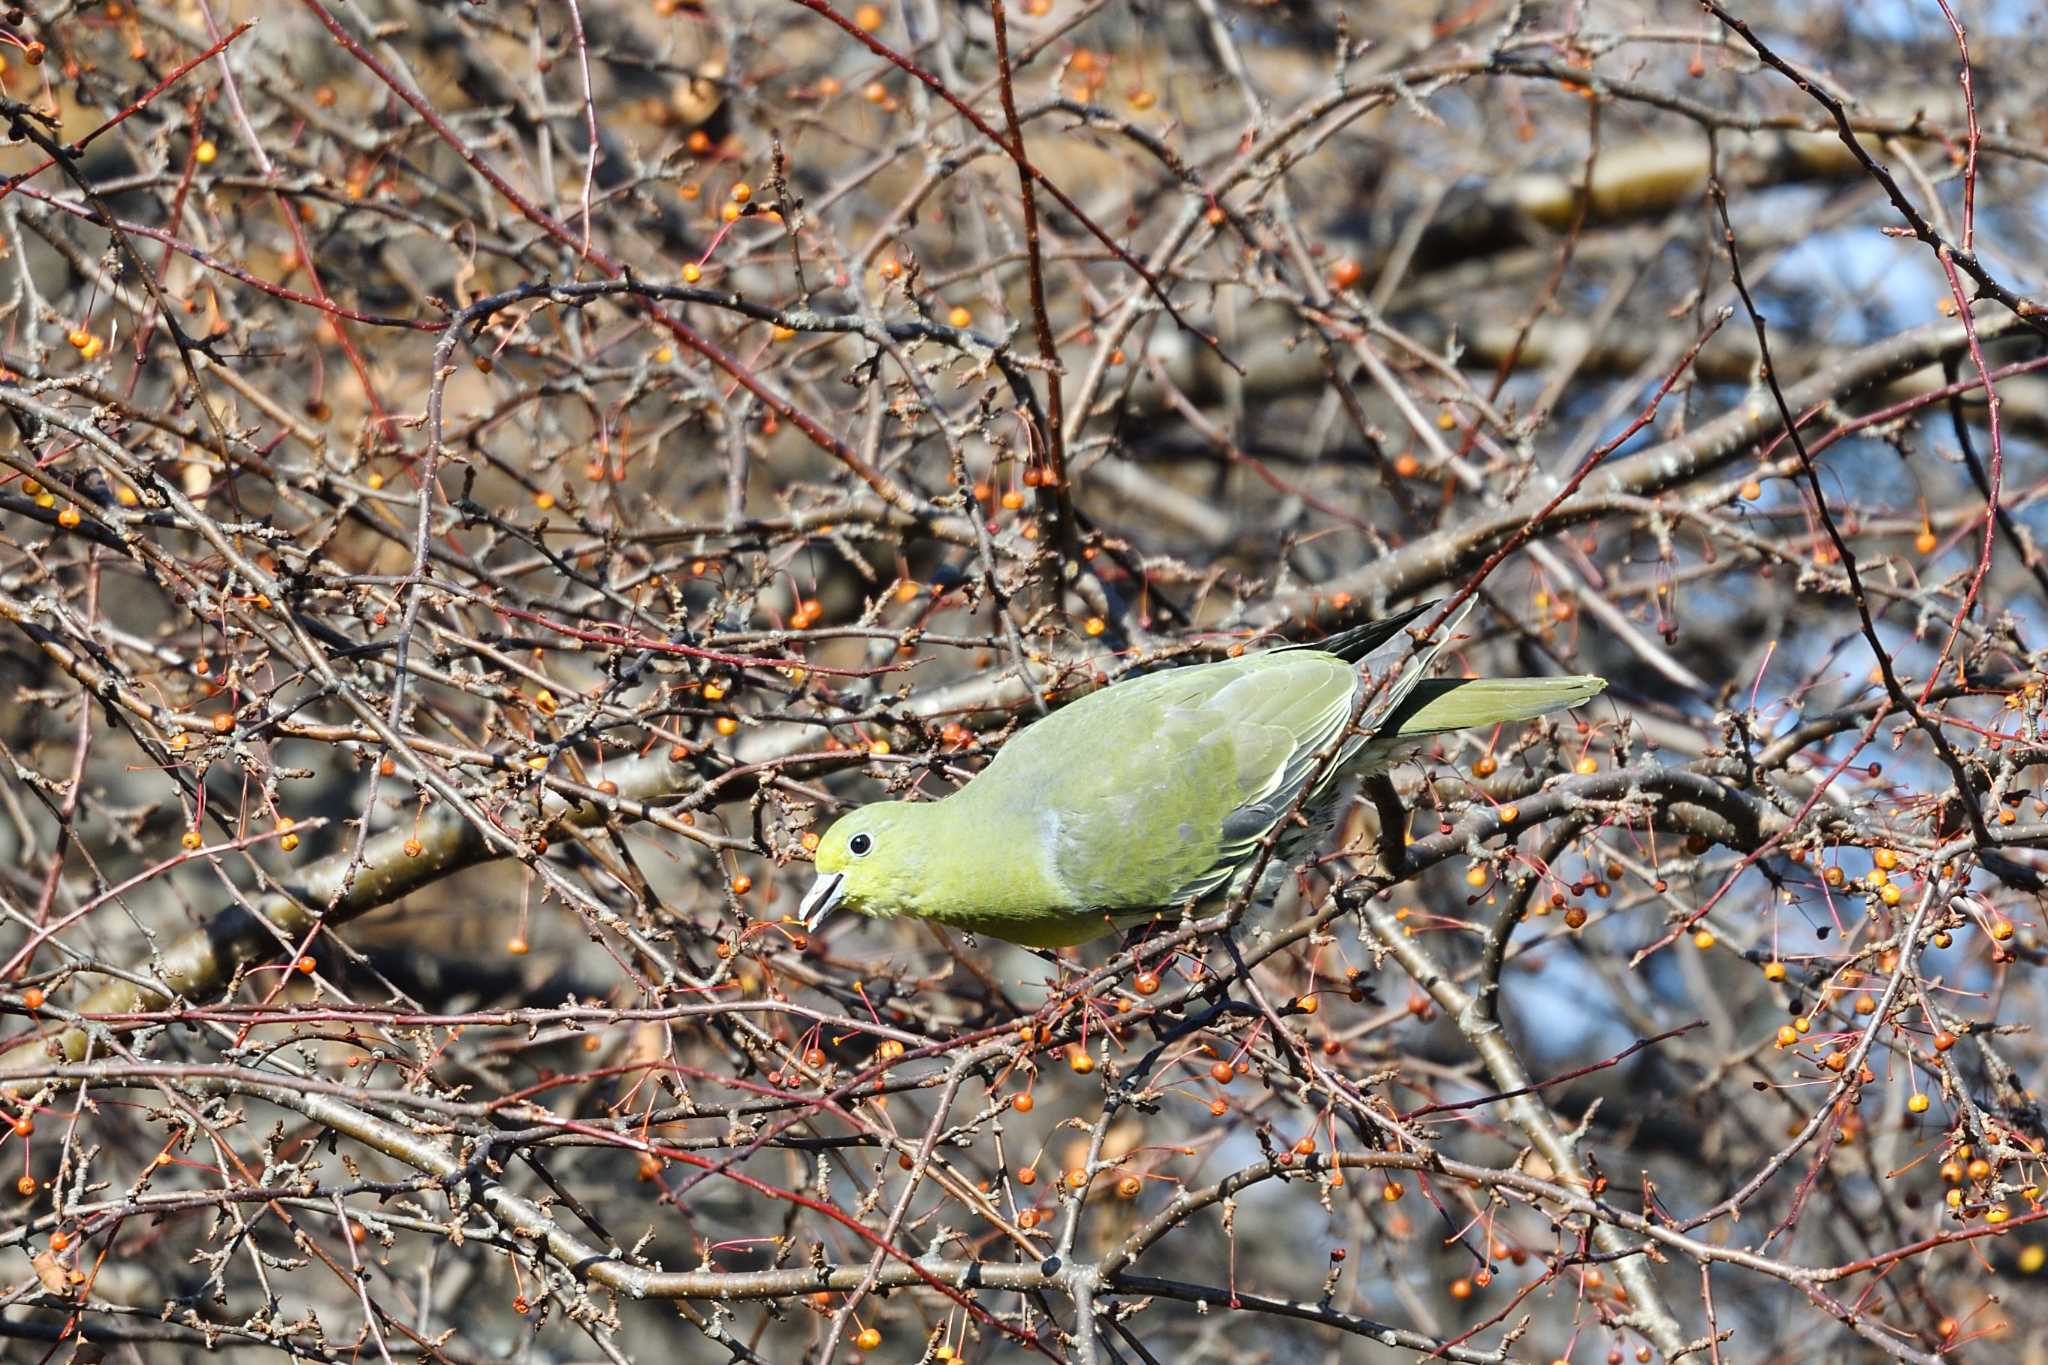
pixel 1155 792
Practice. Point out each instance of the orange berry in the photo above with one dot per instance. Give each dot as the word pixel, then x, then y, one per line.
pixel 1222 1073
pixel 868 18
pixel 413 848
pixel 191 838
pixel 959 316
pixel 742 884
pixel 33 997
pixel 1345 272
pixel 1145 983
pixel 1027 1176
pixel 517 946
pixel 869 1339
pixel 1023 1103
pixel 1080 1061
pixel 25 1186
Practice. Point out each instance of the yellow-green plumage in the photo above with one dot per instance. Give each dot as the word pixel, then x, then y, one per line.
pixel 1150 793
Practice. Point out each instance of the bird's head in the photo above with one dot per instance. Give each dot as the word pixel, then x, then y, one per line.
pixel 868 861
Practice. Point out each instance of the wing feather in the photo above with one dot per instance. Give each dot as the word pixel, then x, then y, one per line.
pixel 1202 762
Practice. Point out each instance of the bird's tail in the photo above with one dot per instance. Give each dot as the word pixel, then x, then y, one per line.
pixel 1436 705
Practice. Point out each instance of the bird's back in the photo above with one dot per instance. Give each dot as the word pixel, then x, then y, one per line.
pixel 1157 788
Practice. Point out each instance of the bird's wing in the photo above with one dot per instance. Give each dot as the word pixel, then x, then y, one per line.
pixel 1159 788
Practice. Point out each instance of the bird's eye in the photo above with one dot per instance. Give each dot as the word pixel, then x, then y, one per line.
pixel 860 845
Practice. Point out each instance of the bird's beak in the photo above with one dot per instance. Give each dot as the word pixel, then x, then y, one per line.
pixel 819 901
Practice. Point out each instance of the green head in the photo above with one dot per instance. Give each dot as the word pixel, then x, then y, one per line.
pixel 870 861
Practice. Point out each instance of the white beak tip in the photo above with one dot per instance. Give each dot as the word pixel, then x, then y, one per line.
pixel 820 900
